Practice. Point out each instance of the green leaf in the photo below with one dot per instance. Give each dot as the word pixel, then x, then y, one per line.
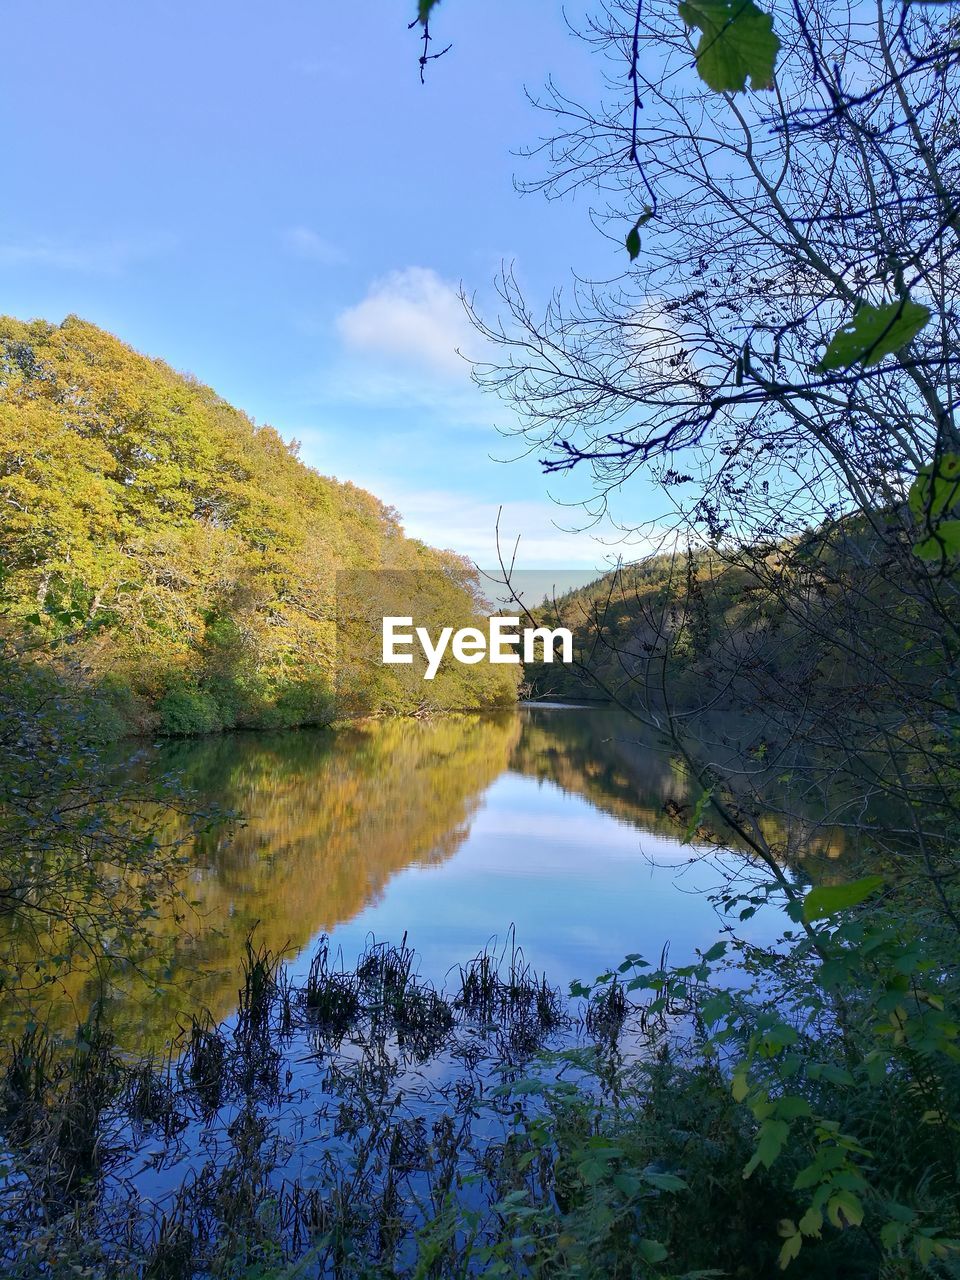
pixel 935 494
pixel 892 1234
pixel 791 1250
pixel 697 814
pixel 715 1007
pixel 424 8
pixel 736 43
pixel 664 1181
pixel 875 332
pixel 526 1086
pixel 827 899
pixel 651 1250
pixel 780 1036
pixel 773 1135
pixel 792 1108
pixel 899 1212
pixel 845 1207
pixel 834 1074
pixel 739 1085
pixel 942 545
pixel 932 495
pixel 633 236
pixel 626 1183
pixel 811 1224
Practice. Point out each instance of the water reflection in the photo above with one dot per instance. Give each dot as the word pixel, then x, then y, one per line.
pixel 357 831
pixel 327 819
pixel 610 759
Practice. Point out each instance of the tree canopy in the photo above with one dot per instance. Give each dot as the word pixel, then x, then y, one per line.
pixel 179 557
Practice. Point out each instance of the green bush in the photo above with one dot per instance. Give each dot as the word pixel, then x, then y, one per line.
pixel 185 712
pixel 308 702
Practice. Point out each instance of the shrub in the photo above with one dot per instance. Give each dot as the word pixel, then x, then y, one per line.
pixel 185 712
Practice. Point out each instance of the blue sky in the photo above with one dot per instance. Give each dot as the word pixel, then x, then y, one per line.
pixel 265 195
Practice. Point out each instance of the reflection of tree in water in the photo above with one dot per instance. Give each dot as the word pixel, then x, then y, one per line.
pixel 618 765
pixel 327 820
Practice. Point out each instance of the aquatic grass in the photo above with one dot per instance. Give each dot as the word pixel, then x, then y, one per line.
pixel 151 1099
pixel 94 1076
pixel 27 1078
pixel 425 1018
pixel 384 973
pixel 204 1062
pixel 259 988
pixel 333 1003
pixel 172 1254
pixel 480 986
pixel 607 1011
pixel 429 1143
pixel 331 997
pixel 502 991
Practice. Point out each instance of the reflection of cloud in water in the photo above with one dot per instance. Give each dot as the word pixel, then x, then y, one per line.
pixel 447 830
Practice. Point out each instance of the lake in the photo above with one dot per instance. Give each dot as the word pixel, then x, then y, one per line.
pixel 550 825
pixel 557 831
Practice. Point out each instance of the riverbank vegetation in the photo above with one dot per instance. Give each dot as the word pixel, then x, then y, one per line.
pixel 663 1123
pixel 782 360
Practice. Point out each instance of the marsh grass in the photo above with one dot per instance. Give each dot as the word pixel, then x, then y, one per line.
pixel 363 1125
pixel 260 969
pixel 28 1076
pixel 607 1012
pixel 502 992
pixel 404 1119
pixel 331 997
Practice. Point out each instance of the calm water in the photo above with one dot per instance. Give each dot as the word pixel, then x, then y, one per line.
pixel 548 825
pixel 548 820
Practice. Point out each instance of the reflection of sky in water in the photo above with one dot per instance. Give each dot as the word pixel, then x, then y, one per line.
pixel 582 889
pixel 581 886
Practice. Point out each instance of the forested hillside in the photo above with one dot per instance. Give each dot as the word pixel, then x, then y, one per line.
pixel 668 623
pixel 815 619
pixel 178 557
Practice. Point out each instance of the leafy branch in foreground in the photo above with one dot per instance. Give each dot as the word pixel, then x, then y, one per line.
pixel 875 332
pixel 737 41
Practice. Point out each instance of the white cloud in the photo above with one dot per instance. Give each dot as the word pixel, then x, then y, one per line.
pixel 108 257
pixel 360 383
pixel 451 519
pixel 306 243
pixel 411 315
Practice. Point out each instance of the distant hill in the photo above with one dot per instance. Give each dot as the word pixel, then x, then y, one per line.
pixel 789 641
pixel 625 617
pixel 180 559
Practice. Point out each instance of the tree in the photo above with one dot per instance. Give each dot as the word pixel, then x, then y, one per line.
pixel 782 356
pixel 199 553
pixel 795 244
pixel 770 357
